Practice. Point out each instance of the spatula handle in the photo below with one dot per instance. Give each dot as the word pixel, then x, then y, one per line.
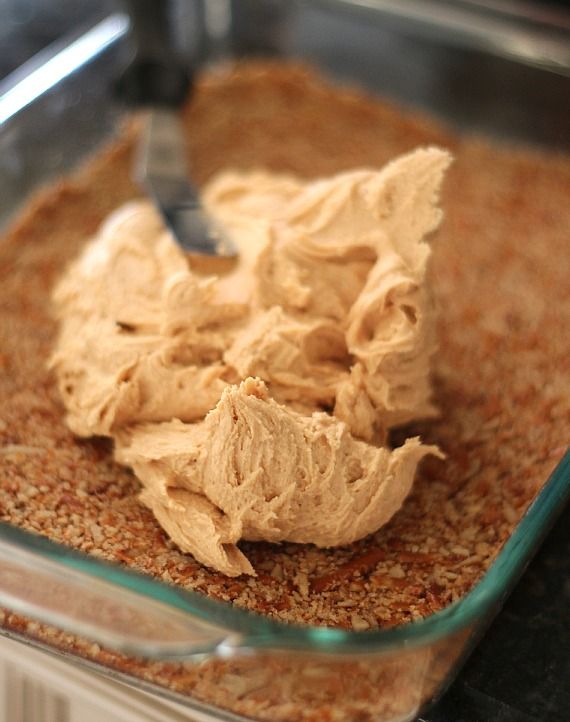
pixel 155 76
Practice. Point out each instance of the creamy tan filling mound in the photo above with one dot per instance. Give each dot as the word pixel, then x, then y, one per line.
pixel 253 401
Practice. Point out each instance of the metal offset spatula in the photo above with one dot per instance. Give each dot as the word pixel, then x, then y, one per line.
pixel 158 81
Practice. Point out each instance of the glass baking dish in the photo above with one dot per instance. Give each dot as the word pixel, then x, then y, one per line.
pixel 55 112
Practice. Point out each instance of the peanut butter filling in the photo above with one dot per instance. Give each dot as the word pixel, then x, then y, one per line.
pixel 253 401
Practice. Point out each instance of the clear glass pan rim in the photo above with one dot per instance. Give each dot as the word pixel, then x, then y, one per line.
pixel 259 632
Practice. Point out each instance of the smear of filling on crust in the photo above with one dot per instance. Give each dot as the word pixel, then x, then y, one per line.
pixel 253 402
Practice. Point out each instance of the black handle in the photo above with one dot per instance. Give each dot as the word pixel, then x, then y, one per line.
pixel 155 76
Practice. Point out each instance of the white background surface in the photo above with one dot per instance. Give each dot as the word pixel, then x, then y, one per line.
pixel 36 687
